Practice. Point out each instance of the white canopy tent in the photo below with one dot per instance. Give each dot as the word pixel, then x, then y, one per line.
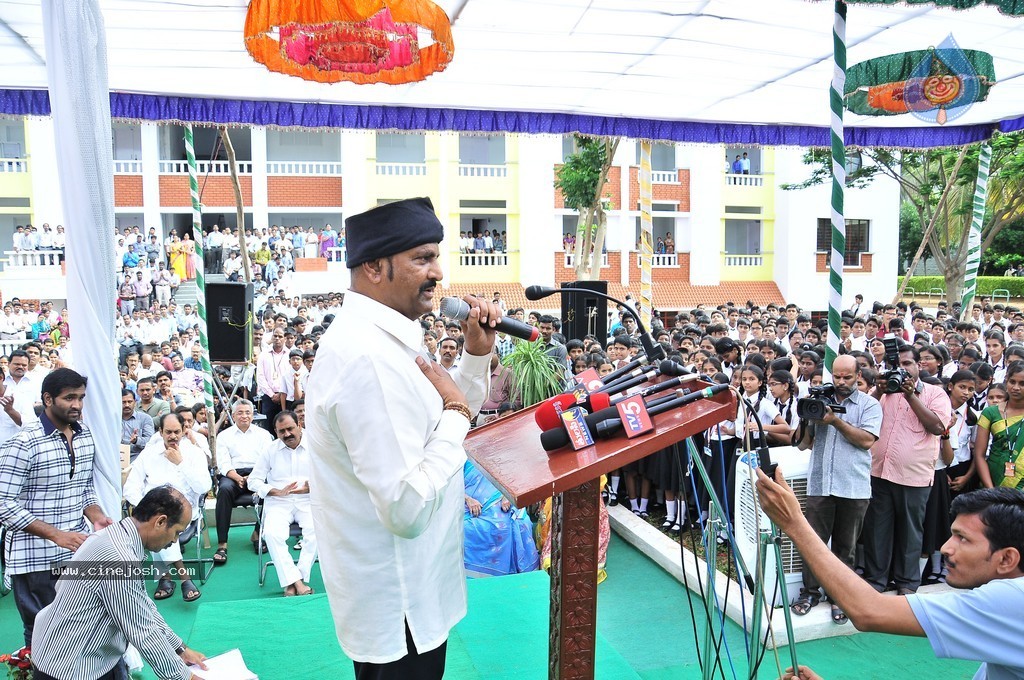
pixel 764 64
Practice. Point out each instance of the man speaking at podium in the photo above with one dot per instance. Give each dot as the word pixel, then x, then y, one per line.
pixel 386 427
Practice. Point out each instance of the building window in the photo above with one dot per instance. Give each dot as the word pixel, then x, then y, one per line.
pixel 482 149
pixel 858 239
pixel 663 157
pixel 743 237
pixel 661 227
pixel 12 138
pixel 401 148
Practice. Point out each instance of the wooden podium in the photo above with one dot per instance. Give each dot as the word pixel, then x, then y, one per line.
pixel 509 453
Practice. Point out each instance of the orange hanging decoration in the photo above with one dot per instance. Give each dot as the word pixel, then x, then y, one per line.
pixel 362 41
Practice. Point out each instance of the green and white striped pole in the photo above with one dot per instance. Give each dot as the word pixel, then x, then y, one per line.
pixel 197 232
pixel 974 237
pixel 835 274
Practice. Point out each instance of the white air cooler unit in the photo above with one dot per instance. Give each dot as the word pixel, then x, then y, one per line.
pixel 794 464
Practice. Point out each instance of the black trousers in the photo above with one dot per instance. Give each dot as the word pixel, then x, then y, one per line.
pixel 412 666
pixel 228 492
pixel 118 672
pixel 32 592
pixel 893 533
pixel 838 519
pixel 269 407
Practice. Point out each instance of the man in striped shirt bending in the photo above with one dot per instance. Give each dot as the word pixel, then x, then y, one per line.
pixel 101 602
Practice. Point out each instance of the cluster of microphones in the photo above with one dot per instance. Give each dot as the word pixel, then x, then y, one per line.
pixel 616 404
pixel 602 406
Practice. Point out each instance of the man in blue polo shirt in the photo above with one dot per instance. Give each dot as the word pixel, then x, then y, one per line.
pixel 979 621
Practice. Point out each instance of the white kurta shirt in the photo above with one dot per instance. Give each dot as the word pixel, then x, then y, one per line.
pixel 26 393
pixel 387 489
pixel 278 467
pixel 238 450
pixel 151 469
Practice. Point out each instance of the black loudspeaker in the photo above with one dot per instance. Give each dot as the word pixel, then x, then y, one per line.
pixel 229 321
pixel 584 313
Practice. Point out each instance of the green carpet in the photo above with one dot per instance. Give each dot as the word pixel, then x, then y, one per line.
pixel 644 629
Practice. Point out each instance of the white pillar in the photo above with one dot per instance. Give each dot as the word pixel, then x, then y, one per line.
pixel 47 205
pixel 706 241
pixel 540 234
pixel 354 185
pixel 260 208
pixel 150 139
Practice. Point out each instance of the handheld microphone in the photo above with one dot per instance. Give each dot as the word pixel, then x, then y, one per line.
pixel 606 423
pixel 653 350
pixel 669 367
pixel 454 308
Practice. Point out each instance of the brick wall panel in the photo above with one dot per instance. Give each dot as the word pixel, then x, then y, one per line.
pixel 128 191
pixel 215 190
pixel 287 192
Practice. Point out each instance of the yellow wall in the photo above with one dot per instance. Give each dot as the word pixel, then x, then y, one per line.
pixel 749 196
pixel 18 185
pixel 446 189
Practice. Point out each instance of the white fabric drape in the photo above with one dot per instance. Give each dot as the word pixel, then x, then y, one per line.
pixel 76 65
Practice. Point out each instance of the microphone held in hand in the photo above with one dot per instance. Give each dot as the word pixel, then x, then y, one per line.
pixel 458 310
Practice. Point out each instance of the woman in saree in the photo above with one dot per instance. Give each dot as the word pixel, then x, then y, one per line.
pixel 176 255
pixel 1004 425
pixel 327 241
pixel 190 257
pixel 499 536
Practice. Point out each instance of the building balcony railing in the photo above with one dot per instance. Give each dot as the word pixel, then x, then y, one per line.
pixel 483 259
pixel 402 169
pixel 204 167
pixel 661 261
pixel 732 260
pixel 335 254
pixel 13 165
pixel 664 177
pixel 570 260
pixel 31 258
pixel 733 180
pixel 127 167
pixel 313 168
pixel 470 170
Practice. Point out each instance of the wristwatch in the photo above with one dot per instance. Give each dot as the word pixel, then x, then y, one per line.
pixel 180 650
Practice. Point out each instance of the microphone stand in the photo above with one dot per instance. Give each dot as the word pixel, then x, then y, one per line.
pixel 654 351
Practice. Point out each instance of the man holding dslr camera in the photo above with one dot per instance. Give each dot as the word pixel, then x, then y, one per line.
pixel 839 477
pixel 914 416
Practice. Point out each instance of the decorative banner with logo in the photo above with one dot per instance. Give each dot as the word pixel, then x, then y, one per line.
pixel 937 85
pixel 361 41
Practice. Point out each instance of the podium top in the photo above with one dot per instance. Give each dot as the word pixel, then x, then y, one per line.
pixel 509 453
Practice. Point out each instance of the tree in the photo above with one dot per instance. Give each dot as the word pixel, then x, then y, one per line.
pixel 581 180
pixel 939 184
pixel 1007 249
pixel 911 234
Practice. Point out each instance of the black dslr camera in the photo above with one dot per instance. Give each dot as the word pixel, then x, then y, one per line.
pixel 892 380
pixel 812 407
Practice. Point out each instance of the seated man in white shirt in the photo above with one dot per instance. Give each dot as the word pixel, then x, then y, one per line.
pixel 238 449
pixel 281 478
pixel 173 460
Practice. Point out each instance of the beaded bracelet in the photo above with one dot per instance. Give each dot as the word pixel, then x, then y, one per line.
pixel 459 407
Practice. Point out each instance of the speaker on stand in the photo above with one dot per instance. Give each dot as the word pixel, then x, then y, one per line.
pixel 230 321
pixel 584 314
